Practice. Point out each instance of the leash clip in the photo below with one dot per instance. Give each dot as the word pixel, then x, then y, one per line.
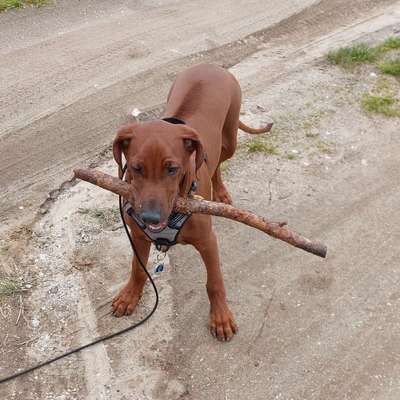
pixel 162 248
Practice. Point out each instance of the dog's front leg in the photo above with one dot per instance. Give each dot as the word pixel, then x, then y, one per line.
pixel 127 299
pixel 222 324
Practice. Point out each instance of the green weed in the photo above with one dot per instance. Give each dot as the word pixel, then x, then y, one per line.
pixel 325 147
pixel 9 287
pixel 380 105
pixel 104 216
pixel 390 44
pixel 391 67
pixel 258 146
pixel 362 53
pixel 8 4
pixel 348 56
pixel 224 167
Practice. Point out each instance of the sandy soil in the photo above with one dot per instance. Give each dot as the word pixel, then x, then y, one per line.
pixel 309 328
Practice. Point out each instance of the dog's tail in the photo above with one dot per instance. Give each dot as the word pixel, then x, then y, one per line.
pixel 255 131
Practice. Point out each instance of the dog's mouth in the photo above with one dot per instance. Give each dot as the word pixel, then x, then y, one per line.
pixel 157 228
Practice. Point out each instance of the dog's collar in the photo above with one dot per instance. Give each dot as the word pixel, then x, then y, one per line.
pixel 173 120
pixel 177 121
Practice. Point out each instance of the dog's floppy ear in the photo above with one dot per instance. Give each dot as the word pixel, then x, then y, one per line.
pixel 192 142
pixel 193 145
pixel 121 143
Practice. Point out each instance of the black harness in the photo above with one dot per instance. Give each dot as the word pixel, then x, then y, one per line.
pixel 168 236
pixel 165 238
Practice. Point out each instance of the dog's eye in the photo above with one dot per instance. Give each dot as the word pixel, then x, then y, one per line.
pixel 137 169
pixel 171 171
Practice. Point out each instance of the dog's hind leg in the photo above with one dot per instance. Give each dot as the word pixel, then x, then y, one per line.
pixel 220 193
pixel 229 142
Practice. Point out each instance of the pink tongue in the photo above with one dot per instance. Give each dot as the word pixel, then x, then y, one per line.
pixel 157 227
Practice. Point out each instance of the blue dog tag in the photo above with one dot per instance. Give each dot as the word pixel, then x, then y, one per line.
pixel 159 268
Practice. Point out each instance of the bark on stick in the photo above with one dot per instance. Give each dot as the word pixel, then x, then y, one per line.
pixel 193 206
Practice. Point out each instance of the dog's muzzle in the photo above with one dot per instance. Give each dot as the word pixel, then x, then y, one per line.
pixel 167 234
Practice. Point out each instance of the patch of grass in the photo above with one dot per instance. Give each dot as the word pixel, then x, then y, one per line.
pixel 380 105
pixel 258 146
pixel 313 119
pixel 390 44
pixel 105 216
pixel 291 156
pixel 308 124
pixel 312 135
pixel 325 147
pixel 8 4
pixel 4 250
pixel 357 54
pixel 37 3
pixel 391 67
pixel 9 287
pixel 362 52
pixel 224 167
pixel 384 87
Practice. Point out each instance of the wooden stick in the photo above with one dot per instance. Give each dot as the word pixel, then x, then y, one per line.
pixel 193 206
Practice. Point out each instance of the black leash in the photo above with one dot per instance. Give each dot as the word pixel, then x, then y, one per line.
pixel 101 338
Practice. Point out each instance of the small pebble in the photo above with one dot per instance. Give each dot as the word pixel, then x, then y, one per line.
pixel 35 322
pixel 136 112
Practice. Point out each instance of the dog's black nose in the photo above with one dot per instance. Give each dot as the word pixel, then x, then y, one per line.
pixel 151 217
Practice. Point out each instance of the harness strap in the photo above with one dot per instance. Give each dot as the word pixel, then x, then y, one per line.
pixel 173 120
pixel 165 238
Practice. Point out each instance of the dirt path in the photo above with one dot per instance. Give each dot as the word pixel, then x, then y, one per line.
pixel 99 70
pixel 102 65
pixel 309 329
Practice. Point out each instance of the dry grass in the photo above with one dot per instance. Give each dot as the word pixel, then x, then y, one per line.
pixel 104 216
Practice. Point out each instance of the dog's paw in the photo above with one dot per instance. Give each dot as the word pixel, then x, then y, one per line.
pixel 222 196
pixel 126 301
pixel 222 325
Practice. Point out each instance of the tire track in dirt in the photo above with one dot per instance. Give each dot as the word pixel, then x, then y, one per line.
pixel 84 128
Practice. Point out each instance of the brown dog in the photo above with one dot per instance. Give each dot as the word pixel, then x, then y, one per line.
pixel 164 158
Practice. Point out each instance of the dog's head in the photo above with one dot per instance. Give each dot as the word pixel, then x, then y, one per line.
pixel 162 160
